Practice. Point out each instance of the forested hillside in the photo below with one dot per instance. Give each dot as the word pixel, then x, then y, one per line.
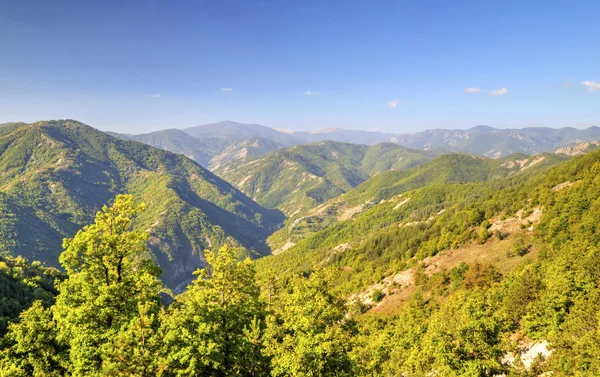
pixel 56 174
pixel 22 283
pixel 447 169
pixel 496 277
pixel 298 178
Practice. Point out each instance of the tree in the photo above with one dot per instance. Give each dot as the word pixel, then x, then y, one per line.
pixel 135 348
pixel 308 333
pixel 109 275
pixel 213 328
pixel 463 339
pixel 35 350
pixel 484 233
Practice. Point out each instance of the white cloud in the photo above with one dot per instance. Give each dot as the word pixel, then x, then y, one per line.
pixel 591 85
pixel 472 90
pixel 226 90
pixel 499 92
pixel 393 103
pixel 156 95
pixel 309 93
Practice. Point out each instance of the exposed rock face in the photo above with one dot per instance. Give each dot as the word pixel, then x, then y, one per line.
pixel 579 149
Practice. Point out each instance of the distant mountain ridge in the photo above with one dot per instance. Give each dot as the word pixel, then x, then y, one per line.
pixel 495 143
pixel 214 144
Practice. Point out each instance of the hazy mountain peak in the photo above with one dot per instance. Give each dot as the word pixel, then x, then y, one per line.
pixel 482 128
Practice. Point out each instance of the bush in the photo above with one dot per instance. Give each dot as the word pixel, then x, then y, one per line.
pixel 377 295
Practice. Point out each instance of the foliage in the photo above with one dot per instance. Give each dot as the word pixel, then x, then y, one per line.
pixel 22 283
pixel 308 333
pixel 212 328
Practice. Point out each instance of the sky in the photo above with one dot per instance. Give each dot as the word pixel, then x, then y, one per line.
pixel 392 66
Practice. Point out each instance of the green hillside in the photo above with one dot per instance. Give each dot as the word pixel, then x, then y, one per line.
pixel 57 174
pixel 466 319
pixel 495 277
pixel 430 208
pixel 21 283
pixel 298 178
pixel 446 169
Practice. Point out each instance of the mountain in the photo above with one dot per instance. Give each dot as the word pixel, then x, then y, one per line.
pixel 241 151
pixel 177 141
pixel 56 174
pixel 298 178
pixel 389 185
pixel 344 136
pixel 496 143
pixel 209 142
pixel 373 230
pixel 579 149
pixel 235 131
pixel 216 144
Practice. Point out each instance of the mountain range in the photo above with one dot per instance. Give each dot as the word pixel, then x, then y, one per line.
pixel 56 174
pixel 217 144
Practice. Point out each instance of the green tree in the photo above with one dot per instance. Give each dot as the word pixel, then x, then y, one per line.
pixel 212 329
pixel 135 348
pixel 109 275
pixel 463 339
pixel 308 333
pixel 34 349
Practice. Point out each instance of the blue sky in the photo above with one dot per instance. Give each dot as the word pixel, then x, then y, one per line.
pixel 396 66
